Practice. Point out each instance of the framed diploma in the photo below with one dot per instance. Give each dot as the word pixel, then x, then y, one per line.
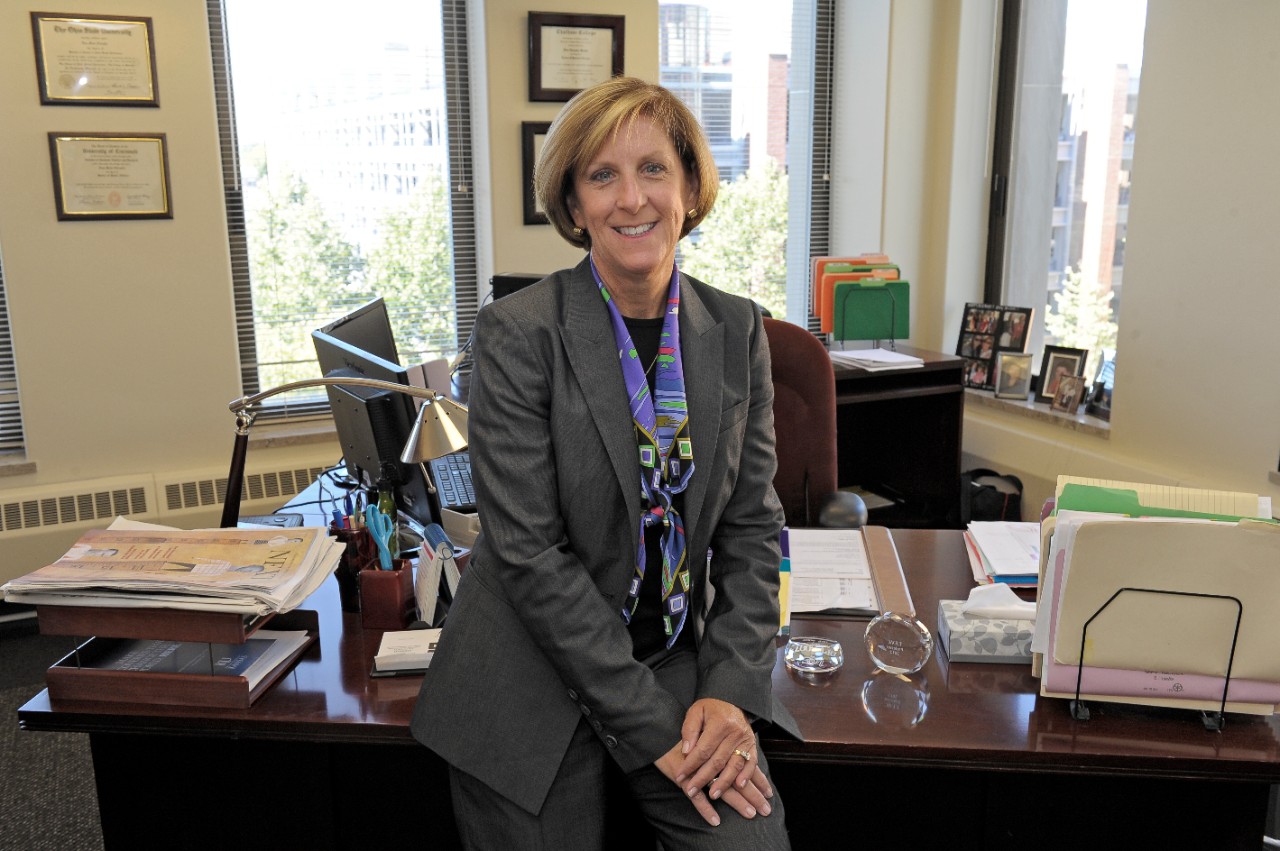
pixel 95 61
pixel 110 176
pixel 532 134
pixel 568 53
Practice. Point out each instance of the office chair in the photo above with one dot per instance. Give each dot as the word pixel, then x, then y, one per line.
pixel 804 420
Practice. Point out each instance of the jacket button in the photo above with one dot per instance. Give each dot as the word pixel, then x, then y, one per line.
pixel 586 710
pixel 597 726
pixel 611 741
pixel 573 695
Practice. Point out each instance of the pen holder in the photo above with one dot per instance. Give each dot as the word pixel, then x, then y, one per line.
pixel 361 554
pixel 386 596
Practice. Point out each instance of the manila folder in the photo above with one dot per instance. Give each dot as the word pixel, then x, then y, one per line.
pixel 1164 632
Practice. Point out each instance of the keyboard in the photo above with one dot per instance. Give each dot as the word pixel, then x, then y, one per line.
pixel 452 475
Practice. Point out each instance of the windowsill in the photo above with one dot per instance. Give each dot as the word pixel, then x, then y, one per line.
pixel 1041 412
pixel 293 433
pixel 18 465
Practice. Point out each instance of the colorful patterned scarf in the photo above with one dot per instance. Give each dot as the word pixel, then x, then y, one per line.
pixel 666 454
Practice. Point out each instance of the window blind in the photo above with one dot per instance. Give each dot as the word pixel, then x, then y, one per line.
pixel 11 434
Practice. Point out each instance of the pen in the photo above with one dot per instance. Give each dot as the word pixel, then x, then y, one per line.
pixel 337 519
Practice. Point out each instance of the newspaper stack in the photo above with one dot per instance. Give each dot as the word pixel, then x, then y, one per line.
pixel 253 571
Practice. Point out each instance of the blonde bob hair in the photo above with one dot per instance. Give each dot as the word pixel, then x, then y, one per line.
pixel 585 124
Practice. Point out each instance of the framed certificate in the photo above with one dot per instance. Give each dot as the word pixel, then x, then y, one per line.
pixel 95 61
pixel 532 134
pixel 110 176
pixel 568 53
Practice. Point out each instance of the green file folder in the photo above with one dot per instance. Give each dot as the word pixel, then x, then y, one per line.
pixel 872 309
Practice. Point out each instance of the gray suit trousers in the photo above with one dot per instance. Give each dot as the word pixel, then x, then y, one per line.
pixel 587 806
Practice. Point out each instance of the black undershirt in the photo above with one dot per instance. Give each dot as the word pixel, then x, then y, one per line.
pixel 647 633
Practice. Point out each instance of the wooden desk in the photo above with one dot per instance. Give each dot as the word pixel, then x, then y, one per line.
pixel 898 433
pixel 966 756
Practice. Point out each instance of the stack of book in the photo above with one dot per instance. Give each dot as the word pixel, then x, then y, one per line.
pixel 1161 596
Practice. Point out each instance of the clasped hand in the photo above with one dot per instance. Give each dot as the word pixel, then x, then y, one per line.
pixel 716 759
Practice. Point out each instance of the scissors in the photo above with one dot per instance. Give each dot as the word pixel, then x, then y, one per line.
pixel 382 528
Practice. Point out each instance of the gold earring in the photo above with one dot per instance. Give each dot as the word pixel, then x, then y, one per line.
pixel 693 213
pixel 577 231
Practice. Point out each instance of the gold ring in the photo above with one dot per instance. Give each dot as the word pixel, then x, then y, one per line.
pixel 746 755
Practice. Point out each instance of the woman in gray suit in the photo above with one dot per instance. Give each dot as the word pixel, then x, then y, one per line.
pixel 616 621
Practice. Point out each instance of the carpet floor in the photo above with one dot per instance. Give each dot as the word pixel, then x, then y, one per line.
pixel 47 790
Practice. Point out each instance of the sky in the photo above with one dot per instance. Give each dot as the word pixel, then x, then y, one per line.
pixel 1104 31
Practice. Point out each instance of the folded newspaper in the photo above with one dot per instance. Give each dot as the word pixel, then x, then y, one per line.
pixel 130 564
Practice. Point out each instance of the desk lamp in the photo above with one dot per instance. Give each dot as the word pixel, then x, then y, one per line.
pixel 441 429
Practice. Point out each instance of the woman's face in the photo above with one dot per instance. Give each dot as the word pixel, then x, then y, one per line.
pixel 631 197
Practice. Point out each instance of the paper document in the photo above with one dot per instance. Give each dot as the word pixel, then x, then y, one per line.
pixel 874 359
pixel 1008 548
pixel 829 570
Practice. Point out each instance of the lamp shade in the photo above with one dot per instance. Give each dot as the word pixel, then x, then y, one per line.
pixel 441 429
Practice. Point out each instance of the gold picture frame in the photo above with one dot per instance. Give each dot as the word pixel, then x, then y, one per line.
pixel 97 60
pixel 99 176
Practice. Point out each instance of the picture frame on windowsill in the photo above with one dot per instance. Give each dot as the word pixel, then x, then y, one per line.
pixel 1058 361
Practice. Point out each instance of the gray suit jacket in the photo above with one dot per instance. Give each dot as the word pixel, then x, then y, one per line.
pixel 535 640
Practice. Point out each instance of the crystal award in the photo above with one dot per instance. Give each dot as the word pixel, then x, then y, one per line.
pixel 898 643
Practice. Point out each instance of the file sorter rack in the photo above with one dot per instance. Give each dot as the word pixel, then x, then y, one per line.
pixel 70 679
pixel 1214 721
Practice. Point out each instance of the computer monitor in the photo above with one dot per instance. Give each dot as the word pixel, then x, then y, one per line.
pixel 507 283
pixel 368 328
pixel 373 425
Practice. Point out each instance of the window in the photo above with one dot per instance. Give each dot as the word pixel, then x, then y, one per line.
pixel 747 68
pixel 11 434
pixel 346 157
pixel 1063 163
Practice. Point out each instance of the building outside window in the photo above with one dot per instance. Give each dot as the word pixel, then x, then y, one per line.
pixel 1073 126
pixel 735 64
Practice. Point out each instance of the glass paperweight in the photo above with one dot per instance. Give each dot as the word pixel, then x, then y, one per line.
pixel 813 655
pixel 898 643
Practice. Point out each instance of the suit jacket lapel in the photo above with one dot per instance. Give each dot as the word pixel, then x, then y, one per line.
pixel 702 350
pixel 593 357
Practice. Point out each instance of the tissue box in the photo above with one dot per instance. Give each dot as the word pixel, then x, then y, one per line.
pixel 969 639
